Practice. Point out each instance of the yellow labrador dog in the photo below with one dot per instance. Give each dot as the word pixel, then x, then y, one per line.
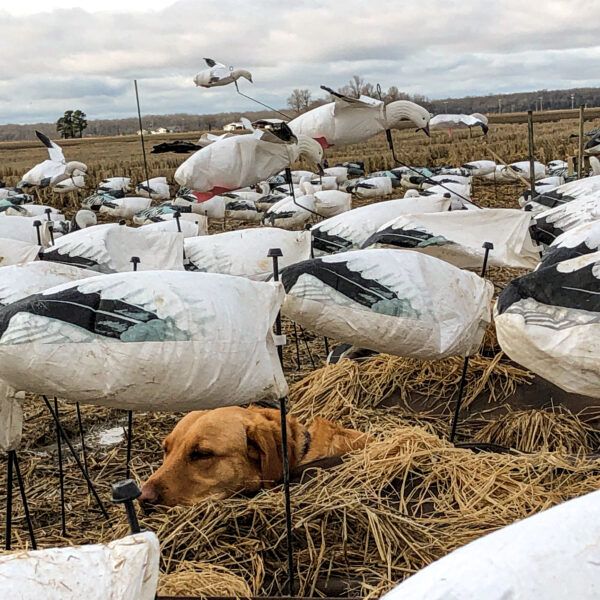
pixel 227 450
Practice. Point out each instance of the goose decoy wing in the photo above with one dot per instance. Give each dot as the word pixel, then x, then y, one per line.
pixel 54 150
pixel 343 101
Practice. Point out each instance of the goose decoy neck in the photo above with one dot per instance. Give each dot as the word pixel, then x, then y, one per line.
pixel 404 110
pixel 310 148
pixel 237 73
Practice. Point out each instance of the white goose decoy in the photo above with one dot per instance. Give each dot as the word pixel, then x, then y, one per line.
pixel 19 281
pixel 244 253
pixel 32 210
pixel 291 212
pixel 457 237
pixel 351 120
pixel 109 248
pixel 115 185
pixel 192 226
pixel 244 160
pixel 328 203
pixel 445 179
pixel 124 208
pixel 156 188
pixel 564 193
pixel 127 569
pixel 548 225
pixel 218 74
pixel 113 340
pixel 459 121
pixel 55 169
pixel 74 183
pixel 522 168
pixel 16 252
pixel 23 228
pixel 373 187
pixel 549 322
pixel 241 209
pixel 351 229
pixel 542 186
pixel 581 240
pixel 401 303
pixel 210 138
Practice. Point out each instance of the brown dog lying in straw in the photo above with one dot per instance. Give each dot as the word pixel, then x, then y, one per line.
pixel 227 450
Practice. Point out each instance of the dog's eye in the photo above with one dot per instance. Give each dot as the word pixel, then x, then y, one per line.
pixel 200 454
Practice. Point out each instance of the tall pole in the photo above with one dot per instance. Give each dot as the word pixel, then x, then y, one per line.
pixel 580 157
pixel 137 99
pixel 531 154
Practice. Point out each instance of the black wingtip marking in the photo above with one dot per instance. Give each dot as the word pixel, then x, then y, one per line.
pixel 44 139
pixel 210 62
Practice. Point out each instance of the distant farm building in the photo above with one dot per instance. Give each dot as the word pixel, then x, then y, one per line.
pixel 233 126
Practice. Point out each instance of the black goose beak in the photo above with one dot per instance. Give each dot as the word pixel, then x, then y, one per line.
pixel 320 169
pixel 426 130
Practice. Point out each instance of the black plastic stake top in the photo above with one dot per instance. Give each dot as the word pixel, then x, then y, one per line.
pixel 136 261
pixel 51 230
pixel 488 246
pixel 122 222
pixel 37 225
pixel 125 492
pixel 177 216
pixel 48 212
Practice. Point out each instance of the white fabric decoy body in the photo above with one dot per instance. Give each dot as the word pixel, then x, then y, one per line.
pixel 548 225
pixel 126 569
pixel 351 120
pixel 244 252
pixel 115 186
pixel 124 208
pixel 479 168
pixel 564 193
pixel 458 236
pixel 19 281
pixel 189 228
pixel 351 229
pixel 291 212
pixel 17 252
pixel 109 248
pixel 55 169
pixel 374 187
pixel 112 340
pixel 536 557
pixel 241 209
pixel 73 183
pixel 549 322
pixel 25 230
pixel 579 241
pixel 156 188
pixel 509 172
pixel 400 303
pixel 97 199
pixel 244 160
pixel 459 121
pixel 218 74
pixel 542 186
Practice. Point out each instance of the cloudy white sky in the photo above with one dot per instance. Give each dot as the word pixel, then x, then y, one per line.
pixel 67 54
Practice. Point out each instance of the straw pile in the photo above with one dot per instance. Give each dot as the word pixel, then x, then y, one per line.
pixel 387 511
pixel 539 431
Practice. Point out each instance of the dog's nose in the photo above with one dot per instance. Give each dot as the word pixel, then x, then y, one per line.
pixel 150 495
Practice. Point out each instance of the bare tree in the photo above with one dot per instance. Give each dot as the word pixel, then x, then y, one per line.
pixel 299 100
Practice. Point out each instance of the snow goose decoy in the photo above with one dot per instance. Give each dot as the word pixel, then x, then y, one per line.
pixel 291 211
pixel 511 172
pixel 564 193
pixel 244 253
pixel 351 229
pixel 113 340
pixel 373 187
pixel 401 303
pixel 480 168
pixel 243 160
pixel 108 248
pixel 115 186
pixel 19 281
pixel 460 121
pixel 457 237
pixel 124 208
pixel 548 225
pixel 156 188
pixel 24 229
pixel 351 120
pixel 547 321
pixel 579 241
pixel 218 74
pixel 542 186
pixel 55 169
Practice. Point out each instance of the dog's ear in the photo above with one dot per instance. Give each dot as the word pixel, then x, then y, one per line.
pixel 264 444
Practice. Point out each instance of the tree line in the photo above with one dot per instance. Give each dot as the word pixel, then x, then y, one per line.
pixel 492 103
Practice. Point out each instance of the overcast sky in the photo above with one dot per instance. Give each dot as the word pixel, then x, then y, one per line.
pixel 79 54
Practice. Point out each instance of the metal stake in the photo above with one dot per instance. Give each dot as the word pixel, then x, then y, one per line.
pixel 531 154
pixel 37 225
pixel 81 437
pixel 9 491
pixel 137 99
pixel 76 457
pixel 580 157
pixel 488 246
pixel 61 475
pixel 125 492
pixel 275 253
pixel 15 460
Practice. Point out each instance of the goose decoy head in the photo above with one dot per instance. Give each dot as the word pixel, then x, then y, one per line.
pixel 311 149
pixel 82 219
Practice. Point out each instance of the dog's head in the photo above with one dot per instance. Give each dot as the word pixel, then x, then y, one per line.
pixel 220 452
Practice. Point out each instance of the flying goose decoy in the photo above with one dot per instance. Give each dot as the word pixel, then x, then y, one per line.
pixel 218 74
